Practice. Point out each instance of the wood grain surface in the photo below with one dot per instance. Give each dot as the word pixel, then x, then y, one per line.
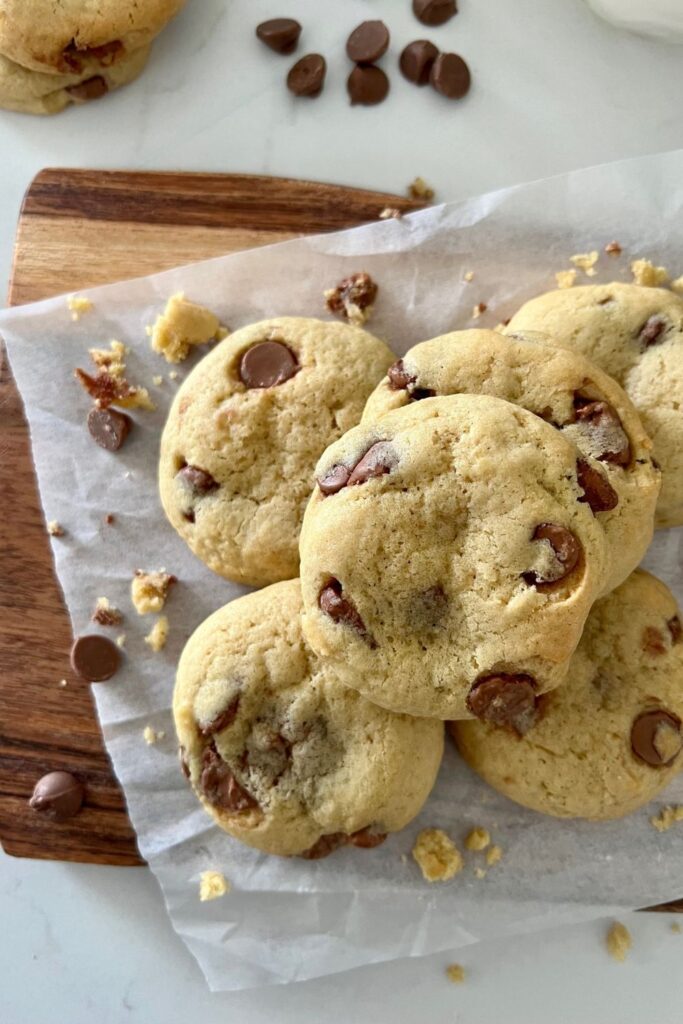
pixel 77 229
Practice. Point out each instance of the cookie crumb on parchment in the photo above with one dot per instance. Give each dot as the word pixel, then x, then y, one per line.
pixel 437 855
pixel 121 640
pixel 353 298
pixel 468 276
pixel 183 325
pixel 151 736
pixel 494 855
pixel 586 261
pixel 78 304
pixel 55 529
pixel 668 816
pixel 618 941
pixel 455 973
pixel 565 278
pixel 419 189
pixel 158 635
pixel 106 614
pixel 478 310
pixel 389 213
pixel 477 839
pixel 149 590
pixel 613 249
pixel 647 274
pixel 212 885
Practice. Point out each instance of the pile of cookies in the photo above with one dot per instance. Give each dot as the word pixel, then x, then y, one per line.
pixel 448 537
pixel 56 54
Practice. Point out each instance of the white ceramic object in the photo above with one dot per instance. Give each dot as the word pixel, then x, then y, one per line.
pixel 662 19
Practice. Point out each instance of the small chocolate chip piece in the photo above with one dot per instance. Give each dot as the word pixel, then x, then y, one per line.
pixel 653 641
pixel 367 838
pixel 504 700
pixel 604 423
pixel 368 42
pixel 108 427
pixel 94 658
pixel 334 479
pixel 307 77
pixel 399 378
pixel 184 764
pixel 279 34
pixel 651 331
pixel 676 629
pixel 367 86
pixel 221 721
pixel 219 785
pixel 197 480
pixel 325 846
pixel 341 610
pixel 356 292
pixel 450 76
pixel 434 12
pixel 598 492
pixel 58 795
pixel 567 549
pixel 416 61
pixel 91 89
pixel 267 364
pixel 379 459
pixel 656 737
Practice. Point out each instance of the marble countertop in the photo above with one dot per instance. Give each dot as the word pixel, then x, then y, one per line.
pixel 554 89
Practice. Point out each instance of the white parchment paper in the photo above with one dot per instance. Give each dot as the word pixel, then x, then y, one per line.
pixel 288 920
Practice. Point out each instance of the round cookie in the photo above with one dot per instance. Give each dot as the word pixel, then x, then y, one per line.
pixel 245 431
pixel 60 38
pixel 33 92
pixel 635 334
pixel 283 756
pixel 449 559
pixel 563 388
pixel 609 739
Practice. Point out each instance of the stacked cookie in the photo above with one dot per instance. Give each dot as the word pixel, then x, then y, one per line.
pixel 52 55
pixel 468 553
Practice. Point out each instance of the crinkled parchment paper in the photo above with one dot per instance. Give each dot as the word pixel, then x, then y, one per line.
pixel 287 920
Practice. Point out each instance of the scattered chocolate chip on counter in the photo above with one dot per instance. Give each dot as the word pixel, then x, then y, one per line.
pixel 367 85
pixel 368 42
pixel 106 614
pixel 280 35
pixel 353 298
pixel 450 76
pixel 108 427
pixel 307 77
pixel 416 61
pixel 94 658
pixel 58 796
pixel 434 12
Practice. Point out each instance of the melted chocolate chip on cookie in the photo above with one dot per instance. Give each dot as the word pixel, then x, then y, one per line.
pixel 504 700
pixel 379 459
pixel 656 737
pixel 567 549
pixel 342 610
pixel 652 330
pixel 219 785
pixel 267 364
pixel 598 492
pixel 222 720
pixel 603 422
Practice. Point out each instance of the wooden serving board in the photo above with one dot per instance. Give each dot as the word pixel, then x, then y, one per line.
pixel 78 229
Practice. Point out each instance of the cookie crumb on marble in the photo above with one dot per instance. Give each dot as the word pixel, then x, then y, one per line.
pixel 478 310
pixel 106 614
pixel 78 304
pixel 455 973
pixel 647 274
pixel 149 590
pixel 183 325
pixel 353 299
pixel 565 278
pixel 668 816
pixel 586 261
pixel 158 635
pixel 55 529
pixel 437 855
pixel 618 941
pixel 151 736
pixel 477 839
pixel 390 213
pixel 494 855
pixel 212 885
pixel 419 189
pixel 613 249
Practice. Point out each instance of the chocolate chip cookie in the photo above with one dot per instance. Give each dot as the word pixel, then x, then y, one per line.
pixel 245 431
pixel 60 38
pixel 609 739
pixel 563 388
pixel 283 756
pixel 635 334
pixel 449 558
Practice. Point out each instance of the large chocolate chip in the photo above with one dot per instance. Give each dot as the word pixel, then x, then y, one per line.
pixel 676 629
pixel 603 421
pixel 221 721
pixel 91 89
pixel 416 61
pixel 108 427
pixel 399 378
pixel 434 12
pixel 267 364
pixel 504 700
pixel 656 737
pixel 567 549
pixel 307 77
pixel 94 657
pixel 342 610
pixel 368 42
pixel 219 785
pixel 379 459
pixel 598 492
pixel 334 479
pixel 651 331
pixel 58 795
pixel 198 481
pixel 450 76
pixel 367 85
pixel 279 34
pixel 325 846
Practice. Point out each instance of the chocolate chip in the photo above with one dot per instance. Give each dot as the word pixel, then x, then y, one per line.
pixel 567 549
pixel 219 785
pixel 221 721
pixel 184 764
pixel 307 77
pixel 334 479
pixel 368 42
pixel 656 737
pixel 267 364
pixel 603 421
pixel 676 629
pixel 198 481
pixel 342 610
pixel 450 76
pixel 367 86
pixel 367 838
pixel 325 846
pixel 653 641
pixel 106 54
pixel 434 12
pixel 108 427
pixel 358 291
pixel 94 658
pixel 504 700
pixel 379 459
pixel 598 492
pixel 651 331
pixel 416 61
pixel 91 89
pixel 58 795
pixel 279 34
pixel 399 378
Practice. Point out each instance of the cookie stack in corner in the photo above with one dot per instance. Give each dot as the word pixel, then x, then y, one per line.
pixel 468 554
pixel 53 55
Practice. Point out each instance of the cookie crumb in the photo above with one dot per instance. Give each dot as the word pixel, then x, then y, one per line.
pixel 63 683
pixel 389 213
pixel 106 614
pixel 109 519
pixel 675 927
pixel 55 529
pixel 353 298
pixel 158 635
pixel 455 973
pixel 613 249
pixel 181 326
pixel 151 736
pixel 618 941
pixel 477 310
pixel 647 274
pixel 419 189
pixel 479 873
pixel 586 261
pixel 112 359
pixel 121 640
pixel 468 276
pixel 149 590
pixel 173 375
pixel 477 839
pixel 212 885
pixel 106 389
pixel 677 285
pixel 437 856
pixel 78 304
pixel 494 855
pixel 565 278
pixel 157 380
pixel 668 816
